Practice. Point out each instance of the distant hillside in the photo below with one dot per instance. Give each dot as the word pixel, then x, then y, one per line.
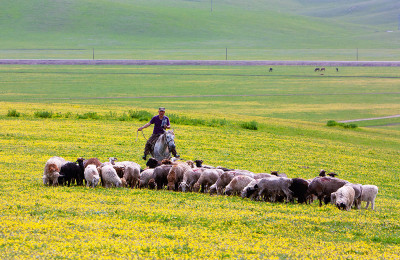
pixel 164 24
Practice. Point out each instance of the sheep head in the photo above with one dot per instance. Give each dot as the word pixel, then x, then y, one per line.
pixel 198 163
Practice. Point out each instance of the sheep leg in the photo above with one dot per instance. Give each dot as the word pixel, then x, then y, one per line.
pixel 320 200
pixel 373 204
pixel 367 205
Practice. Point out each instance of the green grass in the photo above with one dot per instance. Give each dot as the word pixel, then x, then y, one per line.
pixel 288 93
pixel 164 224
pixel 96 111
pixel 189 30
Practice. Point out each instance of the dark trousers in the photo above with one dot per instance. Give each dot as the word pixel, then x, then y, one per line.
pixel 151 142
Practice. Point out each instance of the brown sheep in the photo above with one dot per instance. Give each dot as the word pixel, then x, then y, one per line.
pixel 175 175
pixel 131 176
pixel 94 161
pixel 52 169
pixel 322 187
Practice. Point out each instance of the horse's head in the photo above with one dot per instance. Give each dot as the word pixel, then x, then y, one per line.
pixel 169 139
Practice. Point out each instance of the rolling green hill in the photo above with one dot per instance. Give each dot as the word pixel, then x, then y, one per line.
pixel 200 24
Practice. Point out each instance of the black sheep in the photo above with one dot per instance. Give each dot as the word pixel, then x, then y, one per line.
pixel 70 172
pixel 160 175
pixel 81 175
pixel 152 163
pixel 299 188
pixel 198 163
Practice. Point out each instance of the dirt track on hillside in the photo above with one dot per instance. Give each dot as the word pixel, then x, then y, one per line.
pixel 202 62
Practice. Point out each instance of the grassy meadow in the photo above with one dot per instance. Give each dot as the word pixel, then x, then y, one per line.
pixel 203 29
pixel 89 111
pixel 290 106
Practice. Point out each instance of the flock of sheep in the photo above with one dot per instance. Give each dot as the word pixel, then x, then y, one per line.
pixel 193 176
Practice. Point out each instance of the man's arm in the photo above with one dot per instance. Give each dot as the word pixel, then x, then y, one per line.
pixel 146 125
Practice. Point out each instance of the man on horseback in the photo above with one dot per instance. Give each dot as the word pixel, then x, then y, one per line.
pixel 161 123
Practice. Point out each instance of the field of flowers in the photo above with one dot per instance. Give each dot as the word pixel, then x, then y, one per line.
pixel 79 222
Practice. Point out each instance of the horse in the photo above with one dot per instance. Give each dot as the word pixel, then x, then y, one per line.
pixel 322 69
pixel 164 145
pixel 316 69
pixel 270 69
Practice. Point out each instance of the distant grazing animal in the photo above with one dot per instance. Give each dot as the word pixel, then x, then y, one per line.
pixel 316 69
pixel 322 69
pixel 337 69
pixel 270 69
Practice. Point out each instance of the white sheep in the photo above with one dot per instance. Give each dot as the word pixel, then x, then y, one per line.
pixel 109 176
pixel 92 176
pixel 237 184
pixel 368 194
pixel 344 197
pixel 52 169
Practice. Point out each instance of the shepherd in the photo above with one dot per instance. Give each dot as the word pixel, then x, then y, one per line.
pixel 161 123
